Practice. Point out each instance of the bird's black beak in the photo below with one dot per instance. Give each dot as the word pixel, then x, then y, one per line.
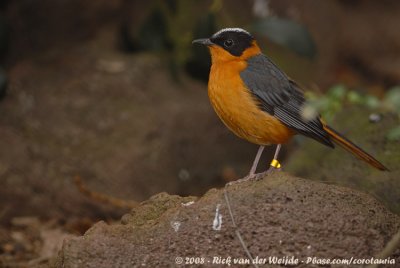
pixel 203 41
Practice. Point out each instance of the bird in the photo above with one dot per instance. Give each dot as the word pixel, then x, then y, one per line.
pixel 258 102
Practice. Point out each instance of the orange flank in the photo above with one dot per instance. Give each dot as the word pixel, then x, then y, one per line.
pixel 235 105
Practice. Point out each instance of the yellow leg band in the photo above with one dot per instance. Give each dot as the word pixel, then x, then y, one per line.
pixel 275 163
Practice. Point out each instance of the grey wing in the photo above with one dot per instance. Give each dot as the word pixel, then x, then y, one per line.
pixel 281 97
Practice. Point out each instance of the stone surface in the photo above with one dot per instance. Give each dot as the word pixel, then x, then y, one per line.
pixel 314 161
pixel 280 215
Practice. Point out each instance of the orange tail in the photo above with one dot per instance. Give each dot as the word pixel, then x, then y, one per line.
pixel 354 149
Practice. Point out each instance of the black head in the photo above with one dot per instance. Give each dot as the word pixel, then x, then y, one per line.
pixel 233 40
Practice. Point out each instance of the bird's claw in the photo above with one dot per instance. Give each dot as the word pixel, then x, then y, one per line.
pixel 255 177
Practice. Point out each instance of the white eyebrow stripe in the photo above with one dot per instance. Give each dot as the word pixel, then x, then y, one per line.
pixel 231 30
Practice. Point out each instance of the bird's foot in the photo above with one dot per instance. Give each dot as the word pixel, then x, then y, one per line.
pixel 272 170
pixel 250 177
pixel 274 166
pixel 247 178
pixel 261 175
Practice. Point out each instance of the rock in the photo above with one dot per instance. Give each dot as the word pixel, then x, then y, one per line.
pixel 317 162
pixel 280 215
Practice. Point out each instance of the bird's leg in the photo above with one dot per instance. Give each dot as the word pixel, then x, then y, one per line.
pixel 252 174
pixel 275 165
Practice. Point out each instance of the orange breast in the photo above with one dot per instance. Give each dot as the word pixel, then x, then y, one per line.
pixel 237 108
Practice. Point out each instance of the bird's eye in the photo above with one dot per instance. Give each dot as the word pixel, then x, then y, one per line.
pixel 228 43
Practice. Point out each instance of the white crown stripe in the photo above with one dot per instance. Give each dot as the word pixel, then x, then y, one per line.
pixel 231 30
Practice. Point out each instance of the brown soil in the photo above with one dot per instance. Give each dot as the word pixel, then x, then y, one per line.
pixel 118 121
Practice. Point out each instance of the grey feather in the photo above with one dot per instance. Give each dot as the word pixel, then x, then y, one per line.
pixel 281 97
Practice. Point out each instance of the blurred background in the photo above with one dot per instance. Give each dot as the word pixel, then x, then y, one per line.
pixel 113 91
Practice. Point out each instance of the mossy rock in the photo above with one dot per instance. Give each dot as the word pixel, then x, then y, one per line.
pixel 317 162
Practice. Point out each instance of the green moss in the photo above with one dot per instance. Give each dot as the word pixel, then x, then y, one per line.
pixel 151 210
pixel 313 160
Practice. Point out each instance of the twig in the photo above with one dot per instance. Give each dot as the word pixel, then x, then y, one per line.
pixel 391 246
pixel 237 231
pixel 102 197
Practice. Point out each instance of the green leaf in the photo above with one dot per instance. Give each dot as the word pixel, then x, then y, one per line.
pixel 372 102
pixel 337 91
pixel 354 97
